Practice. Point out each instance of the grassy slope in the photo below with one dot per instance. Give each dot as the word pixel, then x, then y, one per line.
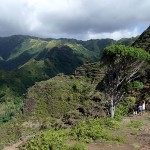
pixel 144 42
pixel 56 96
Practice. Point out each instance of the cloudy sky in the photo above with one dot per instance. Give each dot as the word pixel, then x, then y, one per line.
pixel 81 19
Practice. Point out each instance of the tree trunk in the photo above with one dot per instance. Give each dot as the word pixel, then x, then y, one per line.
pixel 112 109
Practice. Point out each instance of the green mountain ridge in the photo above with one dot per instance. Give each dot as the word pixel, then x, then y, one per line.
pixel 17 50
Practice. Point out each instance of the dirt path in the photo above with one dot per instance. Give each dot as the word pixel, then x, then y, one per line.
pixel 135 140
pixel 16 145
pixel 13 147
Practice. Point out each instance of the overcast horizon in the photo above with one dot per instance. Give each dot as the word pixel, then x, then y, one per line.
pixel 77 19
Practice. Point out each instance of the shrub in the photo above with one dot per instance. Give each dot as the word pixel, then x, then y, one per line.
pixel 135 85
pixel 123 107
pixel 85 131
pixel 93 129
pixel 53 140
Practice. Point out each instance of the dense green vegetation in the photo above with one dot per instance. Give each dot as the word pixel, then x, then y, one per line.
pixel 61 96
pixel 124 107
pixel 118 51
pixel 124 64
pixel 51 140
pixel 84 132
pixel 31 59
pixel 143 42
pixel 63 108
pixel 17 50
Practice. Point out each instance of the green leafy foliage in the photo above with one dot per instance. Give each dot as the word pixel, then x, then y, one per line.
pixel 10 106
pixel 124 64
pixel 9 132
pixel 51 139
pixel 85 131
pixel 94 129
pixel 123 108
pixel 56 97
pixel 135 85
pixel 54 140
pixel 126 51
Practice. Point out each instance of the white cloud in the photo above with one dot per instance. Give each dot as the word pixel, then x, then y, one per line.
pixel 80 19
pixel 114 35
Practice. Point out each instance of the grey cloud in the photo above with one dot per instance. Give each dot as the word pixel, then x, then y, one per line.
pixel 76 19
pixel 98 18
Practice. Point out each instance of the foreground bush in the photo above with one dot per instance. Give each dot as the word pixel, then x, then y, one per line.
pixel 85 131
pixel 51 140
pixel 94 129
pixel 47 140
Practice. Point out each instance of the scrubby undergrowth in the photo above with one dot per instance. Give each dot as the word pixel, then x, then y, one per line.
pixel 83 132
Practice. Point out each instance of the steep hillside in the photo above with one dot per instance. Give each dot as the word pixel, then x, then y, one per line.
pixel 144 42
pixel 66 98
pixel 18 50
pixel 8 44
